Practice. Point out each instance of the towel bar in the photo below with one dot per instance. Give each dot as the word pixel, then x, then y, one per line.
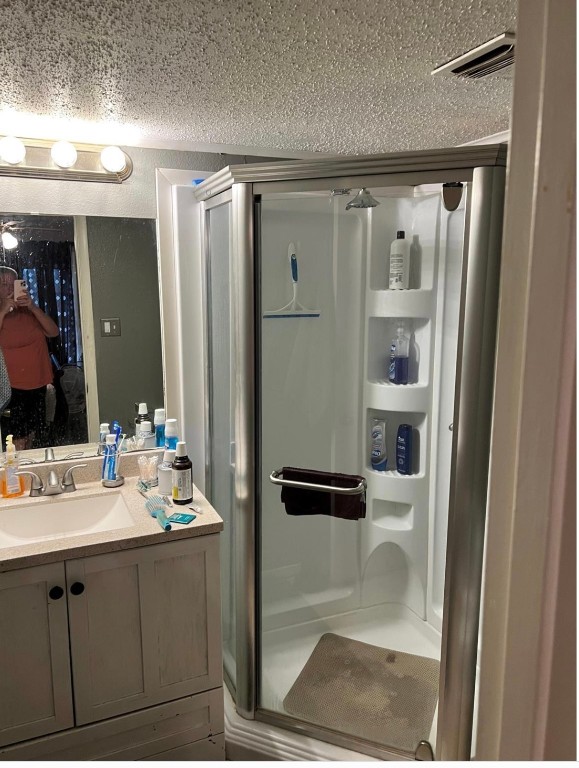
pixel 277 479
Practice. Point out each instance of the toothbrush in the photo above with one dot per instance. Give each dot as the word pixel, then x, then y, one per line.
pixel 116 430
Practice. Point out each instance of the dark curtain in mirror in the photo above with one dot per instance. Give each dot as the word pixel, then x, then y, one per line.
pixel 47 268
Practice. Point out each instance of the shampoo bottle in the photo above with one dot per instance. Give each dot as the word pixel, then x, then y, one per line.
pixel 11 484
pixel 399 262
pixel 182 475
pixel 392 359
pixel 401 355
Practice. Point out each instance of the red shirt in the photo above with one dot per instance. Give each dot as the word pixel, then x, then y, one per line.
pixel 24 346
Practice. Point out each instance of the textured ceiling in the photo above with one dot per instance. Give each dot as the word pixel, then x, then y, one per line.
pixel 320 75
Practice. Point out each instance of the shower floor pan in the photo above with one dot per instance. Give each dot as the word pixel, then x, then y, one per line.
pixel 285 651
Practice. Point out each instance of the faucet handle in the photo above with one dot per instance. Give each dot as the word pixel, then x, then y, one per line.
pixel 68 480
pixel 36 484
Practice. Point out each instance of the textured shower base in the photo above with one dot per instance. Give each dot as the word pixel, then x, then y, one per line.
pixel 286 650
pixel 376 694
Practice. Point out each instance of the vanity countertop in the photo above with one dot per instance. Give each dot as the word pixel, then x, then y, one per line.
pixel 145 531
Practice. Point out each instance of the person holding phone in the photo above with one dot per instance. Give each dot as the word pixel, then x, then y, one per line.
pixel 24 328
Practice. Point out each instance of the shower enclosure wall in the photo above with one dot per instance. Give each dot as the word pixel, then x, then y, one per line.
pixel 299 388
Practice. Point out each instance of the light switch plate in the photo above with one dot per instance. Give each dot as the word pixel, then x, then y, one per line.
pixel 110 326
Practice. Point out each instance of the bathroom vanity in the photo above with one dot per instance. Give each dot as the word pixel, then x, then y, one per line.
pixel 110 640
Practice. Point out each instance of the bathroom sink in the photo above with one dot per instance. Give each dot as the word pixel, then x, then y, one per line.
pixel 56 519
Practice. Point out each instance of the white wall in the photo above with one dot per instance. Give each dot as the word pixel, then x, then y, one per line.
pixel 528 665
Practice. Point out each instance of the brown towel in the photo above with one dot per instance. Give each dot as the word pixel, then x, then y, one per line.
pixel 299 501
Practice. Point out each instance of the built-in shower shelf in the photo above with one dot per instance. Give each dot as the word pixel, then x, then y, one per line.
pixel 392 515
pixel 391 486
pixel 384 396
pixel 394 487
pixel 295 602
pixel 392 474
pixel 411 303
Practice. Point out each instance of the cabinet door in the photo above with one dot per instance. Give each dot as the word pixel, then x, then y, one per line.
pixel 144 626
pixel 35 689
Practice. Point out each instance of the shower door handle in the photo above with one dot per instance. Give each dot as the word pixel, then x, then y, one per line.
pixel 276 478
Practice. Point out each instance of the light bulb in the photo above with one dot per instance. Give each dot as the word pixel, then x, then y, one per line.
pixel 113 159
pixel 12 150
pixel 64 154
pixel 9 241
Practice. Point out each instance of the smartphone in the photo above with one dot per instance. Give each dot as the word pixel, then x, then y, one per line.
pixel 20 288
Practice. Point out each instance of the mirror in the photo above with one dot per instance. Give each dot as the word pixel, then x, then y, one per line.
pixel 81 335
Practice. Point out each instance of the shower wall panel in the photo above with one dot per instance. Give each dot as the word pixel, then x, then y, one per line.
pixel 310 403
pixel 395 537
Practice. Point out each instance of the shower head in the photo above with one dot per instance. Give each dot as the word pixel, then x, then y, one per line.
pixel 362 200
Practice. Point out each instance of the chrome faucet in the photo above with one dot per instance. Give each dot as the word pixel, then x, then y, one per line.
pixel 49 455
pixel 53 486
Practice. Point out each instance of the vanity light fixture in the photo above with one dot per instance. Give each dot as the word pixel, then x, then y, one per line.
pixel 8 240
pixel 12 150
pixel 113 159
pixel 44 159
pixel 64 154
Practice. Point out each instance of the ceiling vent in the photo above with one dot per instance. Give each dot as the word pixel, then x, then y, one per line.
pixel 495 57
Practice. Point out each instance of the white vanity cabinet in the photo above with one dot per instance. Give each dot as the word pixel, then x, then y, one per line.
pixel 35 682
pixel 134 630
pixel 144 626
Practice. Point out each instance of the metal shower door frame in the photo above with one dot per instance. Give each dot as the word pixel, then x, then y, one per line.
pixel 471 437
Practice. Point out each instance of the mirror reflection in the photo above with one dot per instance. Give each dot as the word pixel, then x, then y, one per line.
pixel 80 327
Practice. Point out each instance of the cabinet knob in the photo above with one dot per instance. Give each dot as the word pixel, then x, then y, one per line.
pixel 77 588
pixel 56 593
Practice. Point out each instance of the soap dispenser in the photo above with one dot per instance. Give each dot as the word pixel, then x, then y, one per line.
pixel 11 484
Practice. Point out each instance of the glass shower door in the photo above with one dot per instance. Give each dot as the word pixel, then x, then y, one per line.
pixel 350 623
pixel 221 370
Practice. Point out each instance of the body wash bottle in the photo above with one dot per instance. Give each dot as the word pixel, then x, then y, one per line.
pixel 404 449
pixel 11 484
pixel 399 262
pixel 379 459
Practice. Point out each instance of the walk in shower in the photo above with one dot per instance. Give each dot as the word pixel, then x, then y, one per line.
pixel 354 622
